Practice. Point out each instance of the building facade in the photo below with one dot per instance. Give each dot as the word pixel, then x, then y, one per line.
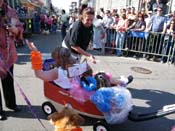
pixel 118 4
pixel 172 2
pixel 114 4
pixel 46 6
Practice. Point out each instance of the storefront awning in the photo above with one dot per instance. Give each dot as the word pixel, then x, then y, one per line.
pixel 35 3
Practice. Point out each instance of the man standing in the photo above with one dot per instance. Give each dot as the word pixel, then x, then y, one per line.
pixel 158 25
pixel 64 23
pixel 79 36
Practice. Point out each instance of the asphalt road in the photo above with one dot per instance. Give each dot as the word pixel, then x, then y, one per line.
pixel 149 91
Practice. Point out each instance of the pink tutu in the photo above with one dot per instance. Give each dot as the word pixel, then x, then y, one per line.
pixel 78 93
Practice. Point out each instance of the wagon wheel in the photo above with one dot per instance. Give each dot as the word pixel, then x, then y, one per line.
pixel 48 108
pixel 100 126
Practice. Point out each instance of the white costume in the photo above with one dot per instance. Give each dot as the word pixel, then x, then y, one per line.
pixel 63 80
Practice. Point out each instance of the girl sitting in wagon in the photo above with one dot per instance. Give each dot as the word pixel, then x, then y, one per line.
pixel 61 75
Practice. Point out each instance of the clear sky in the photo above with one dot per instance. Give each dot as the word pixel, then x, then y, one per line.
pixel 63 4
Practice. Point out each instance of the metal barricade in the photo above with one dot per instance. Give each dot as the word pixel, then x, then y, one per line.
pixel 145 43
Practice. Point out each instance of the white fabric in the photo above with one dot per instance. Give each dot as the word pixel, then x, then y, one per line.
pixel 63 80
pixel 124 79
pixel 98 32
pixel 77 69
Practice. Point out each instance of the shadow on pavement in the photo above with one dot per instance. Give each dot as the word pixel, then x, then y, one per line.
pixel 156 99
pixel 26 113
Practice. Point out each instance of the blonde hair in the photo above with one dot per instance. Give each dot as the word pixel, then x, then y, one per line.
pixel 63 57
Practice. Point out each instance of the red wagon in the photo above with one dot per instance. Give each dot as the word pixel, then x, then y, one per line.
pixel 59 98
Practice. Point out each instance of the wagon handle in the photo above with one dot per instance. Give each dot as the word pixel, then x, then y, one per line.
pixel 166 110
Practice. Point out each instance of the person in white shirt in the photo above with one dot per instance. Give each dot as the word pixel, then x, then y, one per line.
pixel 99 33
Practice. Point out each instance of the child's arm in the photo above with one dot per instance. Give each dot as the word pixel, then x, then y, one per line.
pixel 47 75
pixel 36 61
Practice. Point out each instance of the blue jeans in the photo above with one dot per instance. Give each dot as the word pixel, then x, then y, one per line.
pixel 167 47
pixel 108 38
pixel 63 31
pixel 36 27
pixel 120 39
pixel 54 28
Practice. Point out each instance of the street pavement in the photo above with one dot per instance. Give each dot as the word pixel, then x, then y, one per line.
pixel 150 92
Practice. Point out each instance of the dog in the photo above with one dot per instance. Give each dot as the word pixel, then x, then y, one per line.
pixel 102 80
pixel 66 120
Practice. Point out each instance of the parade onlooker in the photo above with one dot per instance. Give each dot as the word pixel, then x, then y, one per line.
pixel 138 26
pixel 42 22
pixel 72 20
pixel 123 11
pixel 49 23
pixel 102 12
pixel 121 29
pixel 79 36
pixel 158 25
pixel 36 23
pixel 147 29
pixel 99 33
pixel 64 23
pixel 156 5
pixel 148 21
pixel 115 17
pixel 131 17
pixel 149 5
pixel 46 27
pixel 128 10
pixel 143 12
pixel 83 5
pixel 171 26
pixel 108 21
pixel 54 24
pixel 8 33
pixel 170 41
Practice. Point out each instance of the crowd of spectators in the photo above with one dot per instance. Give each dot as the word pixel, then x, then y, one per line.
pixel 118 23
pixel 112 28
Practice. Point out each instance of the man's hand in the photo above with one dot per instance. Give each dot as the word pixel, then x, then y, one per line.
pixel 92 59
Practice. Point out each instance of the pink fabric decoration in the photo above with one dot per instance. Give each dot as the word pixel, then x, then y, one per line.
pixel 78 93
pixel 109 75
